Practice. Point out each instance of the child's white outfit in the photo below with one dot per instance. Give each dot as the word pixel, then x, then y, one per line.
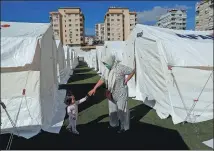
pixel 72 111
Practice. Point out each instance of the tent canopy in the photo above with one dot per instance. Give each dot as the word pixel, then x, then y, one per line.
pixel 31 96
pixel 179 47
pixel 19 41
pixel 174 90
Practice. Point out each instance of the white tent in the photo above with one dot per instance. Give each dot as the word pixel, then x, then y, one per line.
pixel 68 62
pixel 99 51
pixel 29 79
pixel 73 57
pixel 116 48
pixel 186 91
pixel 209 143
pixel 62 72
pixel 190 54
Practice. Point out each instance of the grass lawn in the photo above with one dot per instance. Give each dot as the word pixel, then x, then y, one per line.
pixel 147 130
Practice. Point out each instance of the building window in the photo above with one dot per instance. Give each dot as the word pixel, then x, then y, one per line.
pixel 118 14
pixel 76 39
pixel 65 25
pixel 65 35
pixel 77 35
pixel 69 20
pixel 108 34
pixel 76 25
pixel 77 30
pixel 65 30
pixel 118 19
pixel 69 25
pixel 64 15
pixel 112 19
pixel 76 20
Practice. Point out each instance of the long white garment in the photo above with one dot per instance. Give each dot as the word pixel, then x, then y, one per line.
pixel 118 111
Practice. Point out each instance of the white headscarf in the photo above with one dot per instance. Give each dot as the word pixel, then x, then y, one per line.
pixel 110 75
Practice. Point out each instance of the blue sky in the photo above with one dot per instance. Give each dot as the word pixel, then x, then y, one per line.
pixel 94 11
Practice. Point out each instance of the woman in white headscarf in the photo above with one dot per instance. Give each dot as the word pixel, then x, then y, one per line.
pixel 114 77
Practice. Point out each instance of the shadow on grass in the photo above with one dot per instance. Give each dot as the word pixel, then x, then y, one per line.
pixel 96 135
pixel 82 64
pixel 82 71
pixel 79 77
pixel 81 90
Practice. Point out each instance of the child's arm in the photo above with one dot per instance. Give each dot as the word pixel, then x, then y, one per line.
pixel 83 99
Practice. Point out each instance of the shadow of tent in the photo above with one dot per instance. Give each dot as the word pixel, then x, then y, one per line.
pixel 82 71
pixel 79 77
pixel 96 135
pixel 81 90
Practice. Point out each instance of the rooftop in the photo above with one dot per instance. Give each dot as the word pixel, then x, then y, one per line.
pixel 69 8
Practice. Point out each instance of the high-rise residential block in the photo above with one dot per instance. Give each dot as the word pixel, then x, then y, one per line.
pixel 204 15
pixel 71 25
pixel 99 32
pixel 173 19
pixel 55 20
pixel 118 24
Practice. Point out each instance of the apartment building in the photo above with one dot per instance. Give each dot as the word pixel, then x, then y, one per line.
pixel 55 20
pixel 173 19
pixel 118 24
pixel 70 25
pixel 204 15
pixel 89 40
pixel 99 32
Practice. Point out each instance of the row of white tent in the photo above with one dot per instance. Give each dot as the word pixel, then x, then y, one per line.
pixel 33 64
pixel 174 70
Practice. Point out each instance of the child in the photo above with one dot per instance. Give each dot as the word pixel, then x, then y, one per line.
pixel 72 111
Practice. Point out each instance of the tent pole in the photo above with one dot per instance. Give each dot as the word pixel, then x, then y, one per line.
pixel 8 115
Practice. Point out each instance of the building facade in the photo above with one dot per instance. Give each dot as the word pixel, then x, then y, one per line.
pixel 55 21
pixel 99 32
pixel 70 25
pixel 204 15
pixel 173 19
pixel 89 40
pixel 118 24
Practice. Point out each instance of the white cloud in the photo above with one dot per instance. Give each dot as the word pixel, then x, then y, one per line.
pixel 154 14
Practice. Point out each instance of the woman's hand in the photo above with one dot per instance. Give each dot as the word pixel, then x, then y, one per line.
pixel 92 92
pixel 126 81
pixel 129 77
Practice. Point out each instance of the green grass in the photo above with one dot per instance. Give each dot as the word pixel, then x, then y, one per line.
pixel 192 134
pixel 147 130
